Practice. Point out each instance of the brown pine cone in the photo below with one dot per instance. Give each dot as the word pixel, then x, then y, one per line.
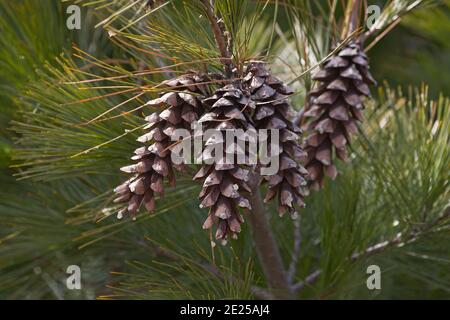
pixel 224 180
pixel 181 107
pixel 273 111
pixel 333 108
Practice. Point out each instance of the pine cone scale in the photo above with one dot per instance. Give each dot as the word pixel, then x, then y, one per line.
pixel 224 181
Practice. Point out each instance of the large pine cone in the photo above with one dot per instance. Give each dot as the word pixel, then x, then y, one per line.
pixel 333 108
pixel 273 111
pixel 224 181
pixel 181 106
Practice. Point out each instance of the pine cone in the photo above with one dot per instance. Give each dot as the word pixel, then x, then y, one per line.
pixel 273 111
pixel 224 181
pixel 181 107
pixel 333 108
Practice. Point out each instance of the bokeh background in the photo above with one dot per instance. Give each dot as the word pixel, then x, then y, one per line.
pixel 51 207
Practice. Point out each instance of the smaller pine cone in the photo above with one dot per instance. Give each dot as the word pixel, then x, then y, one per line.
pixel 153 161
pixel 273 111
pixel 333 109
pixel 224 182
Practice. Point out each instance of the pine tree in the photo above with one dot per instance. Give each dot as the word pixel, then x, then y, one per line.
pixel 80 117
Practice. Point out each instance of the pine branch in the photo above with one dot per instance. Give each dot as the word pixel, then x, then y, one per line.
pixel 398 241
pixel 266 246
pixel 263 238
pixel 355 16
pixel 382 34
pixel 352 20
pixel 219 35
pixel 309 280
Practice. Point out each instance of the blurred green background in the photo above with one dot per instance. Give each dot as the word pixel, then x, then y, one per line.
pixel 43 227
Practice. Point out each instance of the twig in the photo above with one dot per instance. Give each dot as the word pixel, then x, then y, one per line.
pixel 397 241
pixel 266 246
pixel 384 33
pixel 355 16
pixel 221 40
pixel 309 280
pixel 379 247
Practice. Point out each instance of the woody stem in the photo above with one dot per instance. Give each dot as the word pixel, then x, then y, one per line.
pixel 266 246
pixel 352 20
pixel 355 16
pixel 219 35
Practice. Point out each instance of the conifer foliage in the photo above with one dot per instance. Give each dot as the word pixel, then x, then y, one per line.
pixel 143 70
